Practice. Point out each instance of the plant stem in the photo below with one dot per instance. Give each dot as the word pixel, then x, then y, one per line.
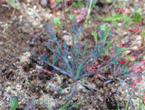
pixel 73 45
pixel 66 23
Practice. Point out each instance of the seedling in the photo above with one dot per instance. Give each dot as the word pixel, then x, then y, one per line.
pixel 56 2
pixel 118 17
pixel 67 104
pixel 91 6
pixel 56 22
pixel 78 4
pixel 95 36
pixel 13 103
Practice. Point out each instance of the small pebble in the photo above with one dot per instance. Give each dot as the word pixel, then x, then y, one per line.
pixel 43 2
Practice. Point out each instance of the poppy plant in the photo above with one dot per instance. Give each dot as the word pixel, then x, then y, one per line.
pixel 122 10
pixel 144 98
pixel 138 68
pixel 135 81
pixel 55 5
pixel 139 79
pixel 140 23
pixel 89 69
pixel 82 14
pixel 3 0
pixel 136 30
pixel 123 44
pixel 123 62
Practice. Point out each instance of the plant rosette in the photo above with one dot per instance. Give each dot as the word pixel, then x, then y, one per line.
pixel 82 12
pixel 56 4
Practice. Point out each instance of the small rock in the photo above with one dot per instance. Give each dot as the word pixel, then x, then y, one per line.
pixel 135 48
pixel 67 39
pixel 44 2
pixel 25 57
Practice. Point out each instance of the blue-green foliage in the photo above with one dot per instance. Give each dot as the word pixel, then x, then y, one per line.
pixel 72 60
pixel 13 103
